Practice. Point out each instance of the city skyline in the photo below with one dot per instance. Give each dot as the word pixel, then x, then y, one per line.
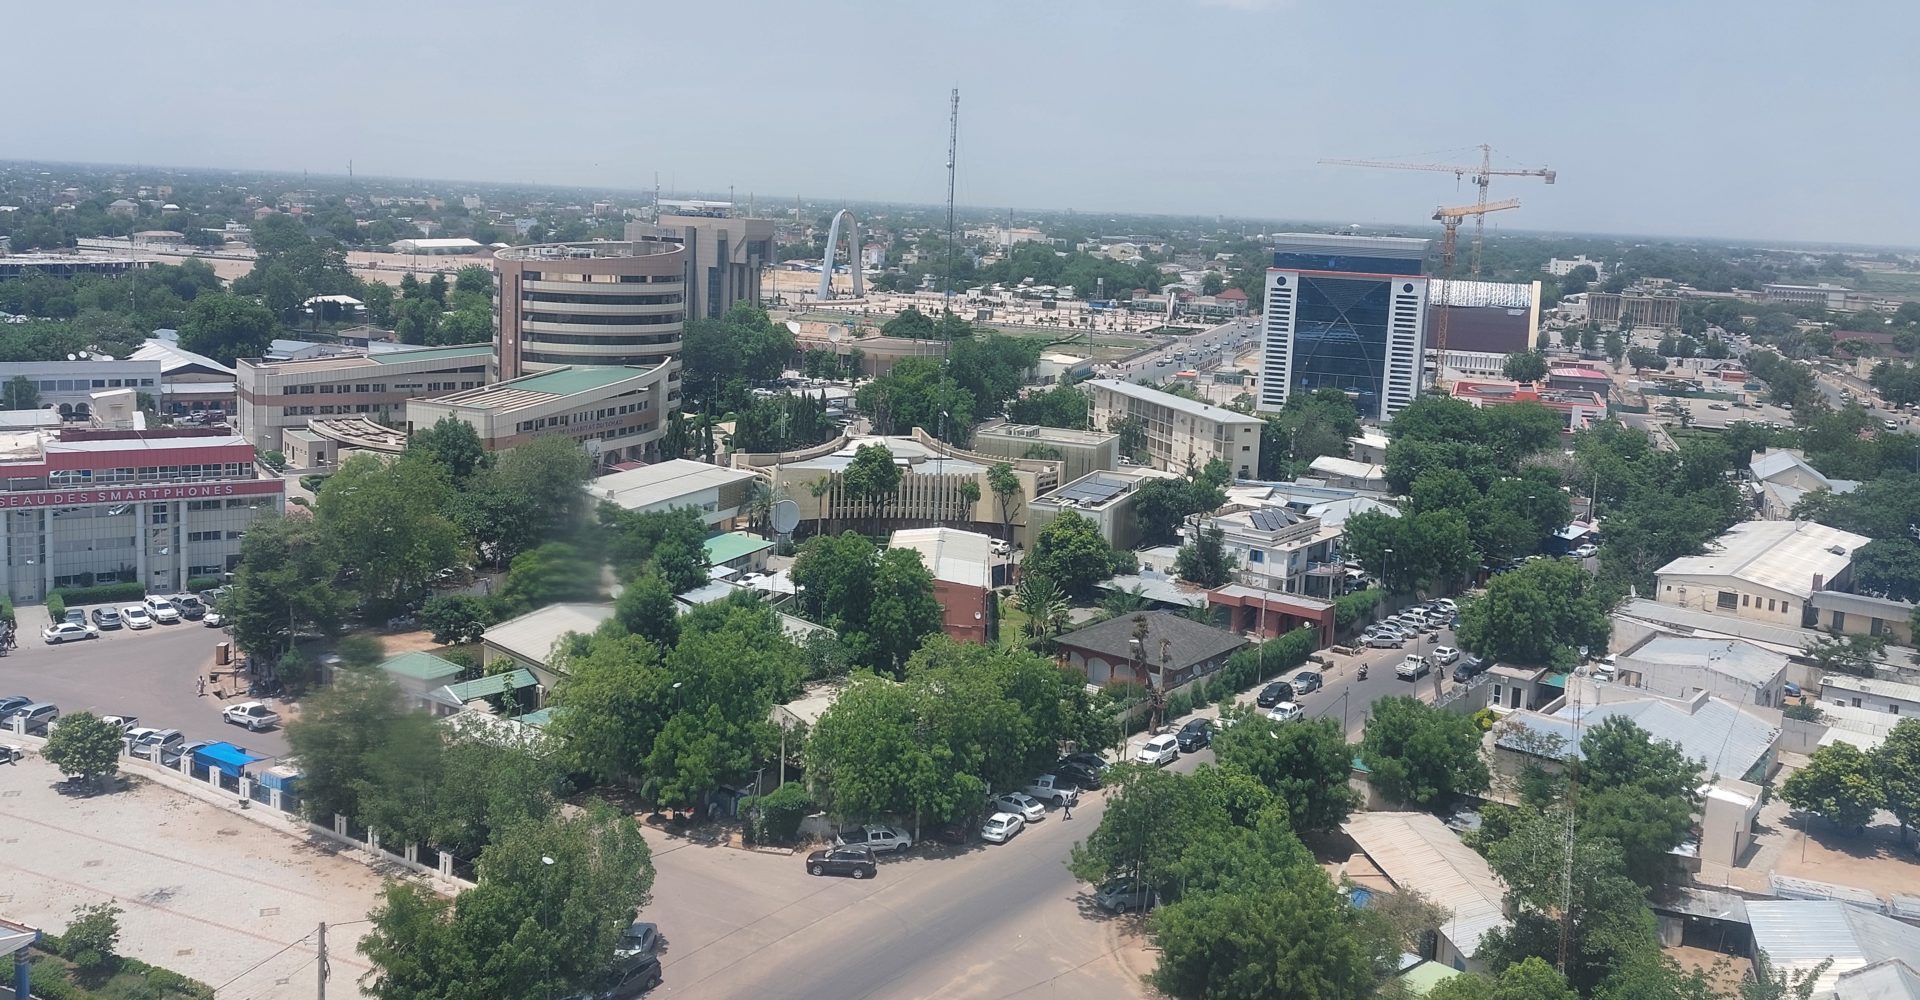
pixel 1200 109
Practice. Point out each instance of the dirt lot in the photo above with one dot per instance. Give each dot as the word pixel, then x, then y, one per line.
pixel 206 892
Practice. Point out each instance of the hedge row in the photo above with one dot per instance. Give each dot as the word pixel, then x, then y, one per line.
pixel 1242 671
pixel 106 593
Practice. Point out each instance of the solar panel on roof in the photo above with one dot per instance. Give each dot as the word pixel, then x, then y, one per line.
pixel 1094 491
pixel 1271 519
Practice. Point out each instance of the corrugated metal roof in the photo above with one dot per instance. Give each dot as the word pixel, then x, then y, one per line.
pixel 530 637
pixel 1727 739
pixel 1418 852
pixel 1785 638
pixel 1799 934
pixel 1732 657
pixel 1782 555
pixel 1888 980
pixel 1873 686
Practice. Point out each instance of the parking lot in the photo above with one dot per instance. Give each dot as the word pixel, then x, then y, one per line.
pixel 205 892
pixel 151 673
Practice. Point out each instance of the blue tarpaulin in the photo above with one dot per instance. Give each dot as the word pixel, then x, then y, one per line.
pixel 225 756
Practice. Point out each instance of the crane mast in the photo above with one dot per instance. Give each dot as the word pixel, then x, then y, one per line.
pixel 1481 175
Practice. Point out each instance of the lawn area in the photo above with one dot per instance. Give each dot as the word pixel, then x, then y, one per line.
pixel 1012 621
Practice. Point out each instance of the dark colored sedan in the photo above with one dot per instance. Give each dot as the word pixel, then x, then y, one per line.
pixel 856 861
pixel 106 618
pixel 1275 693
pixel 1194 735
pixel 1091 761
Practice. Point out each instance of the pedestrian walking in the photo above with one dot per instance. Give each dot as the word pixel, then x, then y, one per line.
pixel 200 685
pixel 1066 809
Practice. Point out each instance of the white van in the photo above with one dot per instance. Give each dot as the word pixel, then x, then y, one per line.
pixel 1158 751
pixel 162 610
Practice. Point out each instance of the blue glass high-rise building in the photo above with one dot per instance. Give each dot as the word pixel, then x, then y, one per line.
pixel 1346 313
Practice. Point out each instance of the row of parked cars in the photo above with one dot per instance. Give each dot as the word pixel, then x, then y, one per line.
pixel 855 852
pixel 1398 629
pixel 253 716
pixel 79 624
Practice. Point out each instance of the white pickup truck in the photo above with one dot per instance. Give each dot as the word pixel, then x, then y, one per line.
pixel 1413 667
pixel 1049 788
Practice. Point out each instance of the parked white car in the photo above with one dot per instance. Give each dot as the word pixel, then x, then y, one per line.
pixel 60 632
pixel 1586 551
pixel 135 615
pixel 1445 654
pixel 1001 827
pixel 1286 711
pixel 1158 751
pixel 1020 804
pixel 881 839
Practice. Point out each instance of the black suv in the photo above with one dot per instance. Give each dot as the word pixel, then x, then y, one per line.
pixel 1275 693
pixel 1078 775
pixel 1194 735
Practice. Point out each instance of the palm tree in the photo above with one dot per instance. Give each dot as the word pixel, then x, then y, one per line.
pixel 821 489
pixel 1119 603
pixel 1046 609
pixel 968 493
pixel 762 495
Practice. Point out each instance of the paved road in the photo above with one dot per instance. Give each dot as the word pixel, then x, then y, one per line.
pixel 1222 338
pixel 149 673
pixel 981 921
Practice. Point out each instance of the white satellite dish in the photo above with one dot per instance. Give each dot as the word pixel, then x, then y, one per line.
pixel 72 358
pixel 786 517
pixel 793 327
pixel 835 332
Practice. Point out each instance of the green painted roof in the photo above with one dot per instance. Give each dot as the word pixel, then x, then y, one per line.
pixel 421 667
pixel 1421 979
pixel 1554 681
pixel 430 353
pixel 722 549
pixel 567 381
pixel 466 691
pixel 538 719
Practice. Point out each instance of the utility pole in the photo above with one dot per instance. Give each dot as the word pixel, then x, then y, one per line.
pixel 320 967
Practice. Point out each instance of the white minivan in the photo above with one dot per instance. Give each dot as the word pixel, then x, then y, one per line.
pixel 1158 751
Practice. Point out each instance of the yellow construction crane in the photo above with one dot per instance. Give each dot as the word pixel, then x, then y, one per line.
pixel 1481 176
pixel 1449 219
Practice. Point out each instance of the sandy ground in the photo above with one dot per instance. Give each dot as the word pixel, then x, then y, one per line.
pixel 205 891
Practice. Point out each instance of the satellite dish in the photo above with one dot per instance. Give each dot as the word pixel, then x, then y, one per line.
pixel 72 358
pixel 786 517
pixel 835 332
pixel 793 327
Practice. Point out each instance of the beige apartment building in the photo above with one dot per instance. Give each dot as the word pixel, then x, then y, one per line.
pixel 612 303
pixel 1181 434
pixel 723 253
pixel 616 412
pixel 274 397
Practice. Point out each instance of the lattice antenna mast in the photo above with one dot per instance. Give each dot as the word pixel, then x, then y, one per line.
pixel 953 151
pixel 1566 834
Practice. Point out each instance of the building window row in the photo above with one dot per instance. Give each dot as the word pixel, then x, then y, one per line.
pixel 601 279
pixel 61 478
pixel 564 298
pixel 84 384
pixel 642 340
pixel 606 319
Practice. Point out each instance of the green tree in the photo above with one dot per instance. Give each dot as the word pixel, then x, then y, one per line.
pixel 1853 654
pixel 669 542
pixel 1537 615
pixel 552 899
pixel 1309 426
pixel 1205 560
pixel 384 521
pixel 903 610
pixel 92 936
pixel 224 327
pixel 286 583
pixel 473 279
pixel 647 609
pixel 1247 945
pixel 1045 607
pixel 85 746
pixel 1896 763
pixel 358 746
pixel 1422 755
pixel 454 444
pixel 553 573
pixel 1071 552
pixel 1305 764
pixel 1530 366
pixel 456 618
pixel 20 393
pixel 1133 435
pixel 1064 405
pixel 1839 784
pixel 1161 506
pixel 872 478
pixel 1006 490
pixel 613 697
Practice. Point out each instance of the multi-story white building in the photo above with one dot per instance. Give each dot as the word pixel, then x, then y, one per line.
pixel 86 505
pixel 1762 570
pixel 1181 434
pixel 1345 313
pixel 1276 548
pixel 1561 268
pixel 615 412
pixel 277 396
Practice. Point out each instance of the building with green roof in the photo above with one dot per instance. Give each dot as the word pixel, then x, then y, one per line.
pixel 617 412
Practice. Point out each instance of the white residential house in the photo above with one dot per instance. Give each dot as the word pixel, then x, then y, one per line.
pixel 1781 477
pixel 1891 697
pixel 1277 548
pixel 1676 666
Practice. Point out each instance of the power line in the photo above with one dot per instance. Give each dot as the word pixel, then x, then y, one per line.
pixel 260 963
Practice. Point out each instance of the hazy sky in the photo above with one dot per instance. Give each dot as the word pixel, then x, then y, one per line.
pixel 1782 120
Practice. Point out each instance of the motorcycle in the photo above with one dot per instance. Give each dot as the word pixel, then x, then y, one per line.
pixel 1363 672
